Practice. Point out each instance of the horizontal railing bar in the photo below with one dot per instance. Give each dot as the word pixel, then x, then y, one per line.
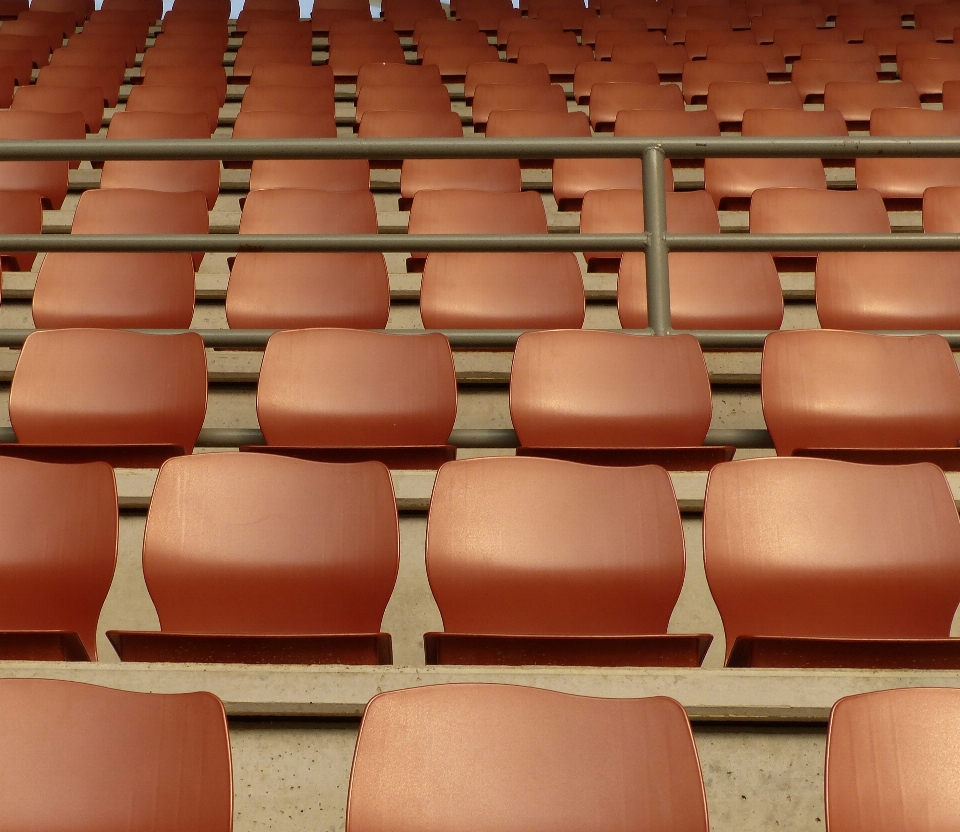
pixel 677 147
pixel 475 242
pixel 483 438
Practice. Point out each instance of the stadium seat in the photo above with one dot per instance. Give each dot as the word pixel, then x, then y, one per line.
pixel 532 123
pixel 39 48
pixel 856 100
pixel 51 36
pixel 327 12
pixel 214 37
pixel 474 212
pixel 708 290
pixel 698 41
pixel 486 13
pixel 593 26
pixel 52 586
pixel 523 38
pixel 453 62
pixel 699 75
pixel 613 398
pixel 817 563
pixel 554 760
pixel 20 62
pixel 490 72
pixel 729 99
pixel 291 75
pixel 926 50
pixel 799 10
pixel 180 56
pixel 940 210
pixel 227 594
pixel 311 174
pixel 817 211
pixel 495 175
pixel 282 126
pixel 127 398
pixel 21 212
pixel 250 57
pixel 79 10
pixel 890 754
pixel 99 46
pixel 122 26
pixel 288 99
pixel 853 395
pixel 191 77
pixel 84 55
pixel 811 77
pixel 655 15
pixel 276 290
pixel 872 290
pixel 669 60
pixel 405 14
pixel 511 24
pixel 571 14
pixel 345 61
pixel 928 75
pixel 854 18
pixel 769 54
pixel 453 34
pixel 607 100
pixel 113 757
pixel 509 290
pixel 561 61
pixel 176 100
pixel 607 40
pixel 612 588
pixel 951 95
pixel 621 212
pixel 793 123
pixel 433 26
pixel 388 124
pixel 888 39
pixel 597 72
pixel 398 75
pixel 85 100
pixel 374 97
pixel 48 179
pixel 363 33
pixel 939 18
pixel 678 26
pixel 489 97
pixel 177 176
pixel 909 178
pixel 845 52
pixel 792 39
pixel 346 395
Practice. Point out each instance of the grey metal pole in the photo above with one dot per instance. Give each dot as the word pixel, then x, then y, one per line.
pixel 655 224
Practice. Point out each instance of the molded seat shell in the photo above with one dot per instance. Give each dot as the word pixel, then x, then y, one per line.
pixel 561 61
pixel 346 61
pixel 490 97
pixel 708 290
pixel 769 54
pixel 176 100
pixel 828 389
pixel 608 39
pixel 288 99
pixel 210 574
pixel 496 175
pixel 102 387
pixel 817 211
pixel 792 38
pixel 607 100
pixel 87 101
pixel 887 39
pixel 848 52
pixel 699 75
pixel 856 100
pixel 928 76
pixel 107 78
pixel 699 41
pixel 188 75
pixel 940 206
pixel 250 57
pixel 812 76
pixel 291 75
pixel 854 18
pixel 267 125
pixel 418 98
pixel 597 72
pixel 48 179
pixel 669 59
pixel 801 550
pixel 21 212
pixel 311 174
pixel 729 99
pixel 387 124
pixel 58 553
pixel 398 75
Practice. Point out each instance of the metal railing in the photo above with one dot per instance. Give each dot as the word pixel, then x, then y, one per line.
pixel 655 241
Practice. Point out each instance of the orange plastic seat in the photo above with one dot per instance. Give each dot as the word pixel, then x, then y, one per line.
pixel 126 398
pixel 856 100
pixel 48 179
pixel 534 123
pixel 249 18
pixel 880 290
pixel 363 33
pixel 312 174
pixel 708 290
pixel 679 25
pixel 821 563
pixel 496 72
pixel 455 61
pixel 226 593
pixel 854 18
pixel 398 75
pixel 666 123
pixel 494 175
pixel 909 178
pixel 486 13
pixel 926 51
pixel 124 35
pixel 176 101
pixel 873 398
pixel 608 39
pixel 20 62
pixel 656 15
pixel 350 395
pixel 594 25
pixel 536 37
pixel 42 99
pixel 51 36
pixel 288 99
pixel 621 212
pixel 21 212
pixel 607 100
pixel 267 125
pixel 927 76
pixel 730 99
pixel 327 12
pixel 570 14
pixel 612 591
pixel 490 97
pixel 800 10
pixel 291 75
pixel 669 60
pixel 215 37
pixel 85 54
pixel 373 98
pixel 474 212
pixel 793 123
pixel 138 759
pixel 38 47
pixel 509 290
pixel 274 290
pixel 792 39
pixel 345 61
pixel 386 124
pixel 598 72
pixel 817 211
pixel 192 77
pixel 951 95
pixel 769 54
pixel 699 75
pixel 846 52
pixel 698 41
pixel 78 10
pixel 452 34
pixel 431 26
pixel 52 586
pixel 411 741
pixel 250 57
pixel 511 24
pixel 175 176
pixel 888 39
pixel 941 207
pixel 811 77
pixel 561 61
pixel 940 18
pixel 97 45
pixel 133 211
pixel 613 398
pixel 405 14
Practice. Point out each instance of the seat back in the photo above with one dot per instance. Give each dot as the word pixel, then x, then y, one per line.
pixel 522 759
pixel 591 389
pixel 59 547
pixel 297 211
pixel 351 388
pixel 489 72
pixel 109 387
pixel 477 212
pixel 76 757
pixel 834 389
pixel 815 548
pixel 321 558
pixel 267 125
pixel 819 211
pixel 577 549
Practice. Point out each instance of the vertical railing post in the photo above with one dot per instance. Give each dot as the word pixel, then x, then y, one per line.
pixel 655 224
